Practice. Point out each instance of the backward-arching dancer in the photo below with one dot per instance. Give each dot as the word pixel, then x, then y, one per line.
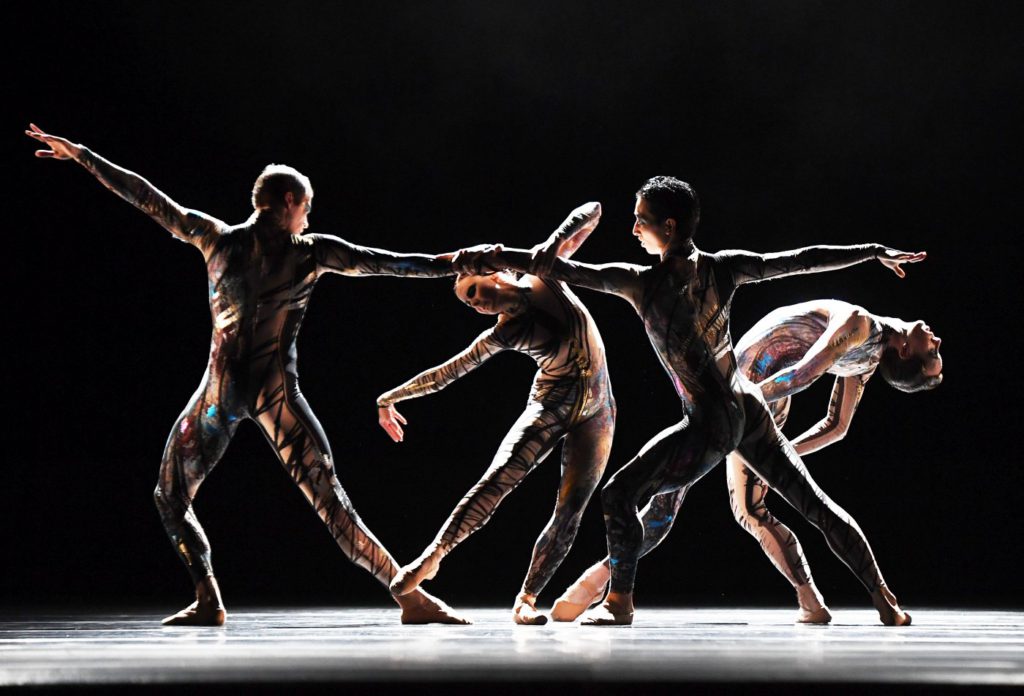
pixel 571 400
pixel 784 353
pixel 261 274
pixel 684 301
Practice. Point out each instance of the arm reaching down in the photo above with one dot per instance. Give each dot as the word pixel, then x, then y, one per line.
pixel 188 225
pixel 846 395
pixel 485 346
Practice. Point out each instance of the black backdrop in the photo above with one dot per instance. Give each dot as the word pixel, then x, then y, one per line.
pixel 427 126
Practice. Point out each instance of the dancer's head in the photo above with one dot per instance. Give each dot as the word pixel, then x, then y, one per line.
pixel 667 212
pixel 912 362
pixel 285 195
pixel 488 294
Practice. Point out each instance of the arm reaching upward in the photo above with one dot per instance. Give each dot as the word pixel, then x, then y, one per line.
pixel 187 225
pixel 567 238
pixel 435 379
pixel 846 395
pixel 748 267
pixel 335 255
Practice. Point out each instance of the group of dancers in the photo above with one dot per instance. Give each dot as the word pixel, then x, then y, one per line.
pixel 262 272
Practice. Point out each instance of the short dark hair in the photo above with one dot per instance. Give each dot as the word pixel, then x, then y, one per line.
pixel 668 197
pixel 906 374
pixel 274 182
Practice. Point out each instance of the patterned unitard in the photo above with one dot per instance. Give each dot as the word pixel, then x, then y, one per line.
pixel 785 352
pixel 260 281
pixel 684 303
pixel 571 400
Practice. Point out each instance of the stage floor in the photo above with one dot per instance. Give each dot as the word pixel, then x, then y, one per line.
pixel 303 647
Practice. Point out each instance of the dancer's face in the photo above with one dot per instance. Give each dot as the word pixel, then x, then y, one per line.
pixel 296 214
pixel 921 342
pixel 653 236
pixel 487 294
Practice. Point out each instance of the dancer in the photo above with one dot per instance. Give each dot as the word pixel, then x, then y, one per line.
pixel 571 399
pixel 784 353
pixel 684 302
pixel 261 274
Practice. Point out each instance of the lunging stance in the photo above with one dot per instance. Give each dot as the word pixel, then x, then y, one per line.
pixel 784 353
pixel 261 274
pixel 684 302
pixel 571 401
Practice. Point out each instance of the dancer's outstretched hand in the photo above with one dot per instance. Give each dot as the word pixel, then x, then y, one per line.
pixel 892 259
pixel 60 148
pixel 477 260
pixel 392 421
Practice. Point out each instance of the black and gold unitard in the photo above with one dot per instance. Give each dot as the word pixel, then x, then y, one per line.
pixel 571 400
pixel 260 281
pixel 684 303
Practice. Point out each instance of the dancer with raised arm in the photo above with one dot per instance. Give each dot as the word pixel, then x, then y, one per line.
pixel 571 401
pixel 261 274
pixel 784 353
pixel 684 302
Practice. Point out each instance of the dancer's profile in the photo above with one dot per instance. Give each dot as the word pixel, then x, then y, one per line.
pixel 684 301
pixel 784 353
pixel 571 401
pixel 261 274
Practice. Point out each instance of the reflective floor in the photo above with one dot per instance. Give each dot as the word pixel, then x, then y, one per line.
pixel 944 648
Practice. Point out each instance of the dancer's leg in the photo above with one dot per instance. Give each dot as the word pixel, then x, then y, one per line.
pixel 532 437
pixel 301 445
pixel 195 445
pixel 585 454
pixel 747 499
pixel 772 457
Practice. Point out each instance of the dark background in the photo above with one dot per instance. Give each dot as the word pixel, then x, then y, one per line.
pixel 428 126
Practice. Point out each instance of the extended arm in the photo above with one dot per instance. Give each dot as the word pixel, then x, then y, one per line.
pixel 620 279
pixel 187 225
pixel 567 237
pixel 846 395
pixel 840 338
pixel 335 255
pixel 748 267
pixel 435 379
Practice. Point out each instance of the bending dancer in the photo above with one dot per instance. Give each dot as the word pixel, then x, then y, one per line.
pixel 571 399
pixel 261 274
pixel 684 301
pixel 784 353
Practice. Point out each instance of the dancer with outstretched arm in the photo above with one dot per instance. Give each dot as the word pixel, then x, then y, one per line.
pixel 261 274
pixel 571 402
pixel 684 301
pixel 784 353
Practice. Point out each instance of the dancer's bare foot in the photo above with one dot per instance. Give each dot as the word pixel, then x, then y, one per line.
pixel 582 594
pixel 812 606
pixel 423 568
pixel 419 607
pixel 525 613
pixel 888 609
pixel 617 610
pixel 207 610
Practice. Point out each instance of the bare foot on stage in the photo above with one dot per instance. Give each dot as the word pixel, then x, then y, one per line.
pixel 197 614
pixel 525 611
pixel 207 610
pixel 580 595
pixel 422 608
pixel 888 609
pixel 812 605
pixel 423 568
pixel 617 610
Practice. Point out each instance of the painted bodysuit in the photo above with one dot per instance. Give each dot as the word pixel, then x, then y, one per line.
pixel 778 347
pixel 571 399
pixel 260 281
pixel 684 304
